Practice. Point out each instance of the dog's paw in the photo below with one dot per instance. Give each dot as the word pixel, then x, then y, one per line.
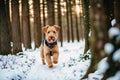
pixel 50 66
pixel 55 62
pixel 43 63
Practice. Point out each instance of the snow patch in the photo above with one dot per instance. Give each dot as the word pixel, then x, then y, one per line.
pixel 102 66
pixel 113 22
pixel 27 65
pixel 115 77
pixel 116 55
pixel 109 48
pixel 114 31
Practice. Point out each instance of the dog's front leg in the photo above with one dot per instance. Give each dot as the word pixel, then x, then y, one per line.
pixel 55 58
pixel 48 60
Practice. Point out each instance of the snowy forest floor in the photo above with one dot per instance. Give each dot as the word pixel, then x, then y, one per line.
pixel 27 65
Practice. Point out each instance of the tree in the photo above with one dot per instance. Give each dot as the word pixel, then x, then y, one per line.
pixel 44 21
pixel 37 23
pixel 16 37
pixel 117 12
pixel 60 22
pixel 71 20
pixel 86 24
pixel 114 64
pixel 67 17
pixel 76 22
pixel 100 22
pixel 5 47
pixel 8 17
pixel 50 12
pixel 26 24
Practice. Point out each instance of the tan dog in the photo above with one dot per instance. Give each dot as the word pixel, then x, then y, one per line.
pixel 49 45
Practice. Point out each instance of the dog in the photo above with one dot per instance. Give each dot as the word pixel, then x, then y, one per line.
pixel 49 50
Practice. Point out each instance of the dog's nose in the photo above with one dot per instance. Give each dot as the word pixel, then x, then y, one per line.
pixel 51 37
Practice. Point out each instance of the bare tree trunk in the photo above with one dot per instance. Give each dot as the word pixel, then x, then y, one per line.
pixel 60 22
pixel 50 12
pixel 5 47
pixel 86 24
pixel 81 30
pixel 68 26
pixel 26 24
pixel 8 18
pixel 37 23
pixel 117 12
pixel 99 25
pixel 44 21
pixel 114 66
pixel 16 37
pixel 72 34
pixel 76 17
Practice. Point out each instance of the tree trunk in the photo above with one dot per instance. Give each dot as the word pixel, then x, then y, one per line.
pixel 114 66
pixel 44 21
pixel 60 22
pixel 16 37
pixel 67 17
pixel 86 24
pixel 8 18
pixel 117 12
pixel 50 12
pixel 76 24
pixel 71 20
pixel 99 26
pixel 26 24
pixel 37 23
pixel 5 47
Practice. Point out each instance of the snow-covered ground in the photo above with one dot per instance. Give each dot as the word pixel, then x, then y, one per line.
pixel 27 65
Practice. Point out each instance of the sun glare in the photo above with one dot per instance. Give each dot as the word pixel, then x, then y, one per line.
pixel 77 9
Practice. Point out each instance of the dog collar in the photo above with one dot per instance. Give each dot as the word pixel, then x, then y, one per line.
pixel 50 45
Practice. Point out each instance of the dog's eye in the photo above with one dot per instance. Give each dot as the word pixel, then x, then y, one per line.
pixel 48 31
pixel 54 32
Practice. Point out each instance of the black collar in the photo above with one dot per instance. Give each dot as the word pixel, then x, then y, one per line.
pixel 50 45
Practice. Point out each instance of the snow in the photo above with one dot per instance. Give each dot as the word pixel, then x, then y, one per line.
pixel 113 22
pixel 114 31
pixel 109 48
pixel 105 66
pixel 116 77
pixel 93 76
pixel 27 65
pixel 116 55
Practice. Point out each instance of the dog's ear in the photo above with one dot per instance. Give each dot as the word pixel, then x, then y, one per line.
pixel 44 29
pixel 57 27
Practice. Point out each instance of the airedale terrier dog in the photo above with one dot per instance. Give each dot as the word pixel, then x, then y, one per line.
pixel 49 51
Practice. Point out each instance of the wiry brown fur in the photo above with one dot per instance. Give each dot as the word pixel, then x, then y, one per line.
pixel 50 31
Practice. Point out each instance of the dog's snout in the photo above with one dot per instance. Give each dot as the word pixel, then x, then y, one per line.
pixel 51 37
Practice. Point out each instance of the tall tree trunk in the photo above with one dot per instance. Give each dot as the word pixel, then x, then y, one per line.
pixel 26 24
pixel 60 22
pixel 37 23
pixel 86 24
pixel 76 20
pixel 16 37
pixel 72 34
pixel 117 12
pixel 67 17
pixel 50 12
pixel 44 21
pixel 114 66
pixel 44 18
pixel 81 20
pixel 99 25
pixel 8 18
pixel 5 47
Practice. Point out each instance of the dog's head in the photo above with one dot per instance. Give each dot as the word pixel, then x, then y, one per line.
pixel 51 33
